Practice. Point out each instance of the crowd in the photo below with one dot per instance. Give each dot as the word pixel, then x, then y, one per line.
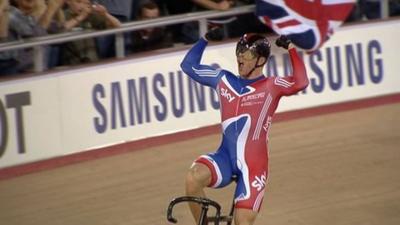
pixel 370 9
pixel 20 19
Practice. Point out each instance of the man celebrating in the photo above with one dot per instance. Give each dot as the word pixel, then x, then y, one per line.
pixel 248 102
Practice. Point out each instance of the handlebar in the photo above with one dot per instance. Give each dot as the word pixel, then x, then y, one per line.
pixel 205 202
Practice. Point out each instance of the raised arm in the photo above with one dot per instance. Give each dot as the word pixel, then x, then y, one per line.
pixel 111 21
pixel 203 74
pixel 298 81
pixel 51 10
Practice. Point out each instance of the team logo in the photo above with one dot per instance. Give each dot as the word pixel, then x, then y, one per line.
pixel 259 181
pixel 267 124
pixel 225 93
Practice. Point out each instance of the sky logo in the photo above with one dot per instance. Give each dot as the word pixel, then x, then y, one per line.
pixel 259 182
pixel 225 93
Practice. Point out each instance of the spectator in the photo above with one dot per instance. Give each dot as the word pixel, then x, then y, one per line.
pixel 189 32
pixel 218 5
pixel 52 18
pixel 43 13
pixel 24 21
pixel 394 7
pixel 25 56
pixel 81 14
pixel 150 38
pixel 8 62
pixel 4 9
pixel 371 9
pixel 244 23
pixel 122 10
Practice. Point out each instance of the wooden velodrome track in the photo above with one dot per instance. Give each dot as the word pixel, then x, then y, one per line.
pixel 334 169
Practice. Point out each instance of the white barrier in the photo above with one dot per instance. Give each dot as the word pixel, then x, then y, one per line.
pixel 69 112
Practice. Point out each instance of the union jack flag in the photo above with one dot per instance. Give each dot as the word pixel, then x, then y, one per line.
pixel 307 23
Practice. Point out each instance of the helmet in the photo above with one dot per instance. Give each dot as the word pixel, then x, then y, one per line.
pixel 256 43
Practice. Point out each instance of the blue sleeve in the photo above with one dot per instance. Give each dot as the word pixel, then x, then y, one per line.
pixel 203 74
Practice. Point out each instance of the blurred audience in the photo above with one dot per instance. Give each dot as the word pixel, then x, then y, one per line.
pixel 122 10
pixel 371 9
pixel 244 23
pixel 189 32
pixel 8 59
pixel 80 15
pixel 394 8
pixel 24 19
pixel 52 18
pixel 150 38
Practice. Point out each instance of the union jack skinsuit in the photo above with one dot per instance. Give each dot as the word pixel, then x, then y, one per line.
pixel 247 107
